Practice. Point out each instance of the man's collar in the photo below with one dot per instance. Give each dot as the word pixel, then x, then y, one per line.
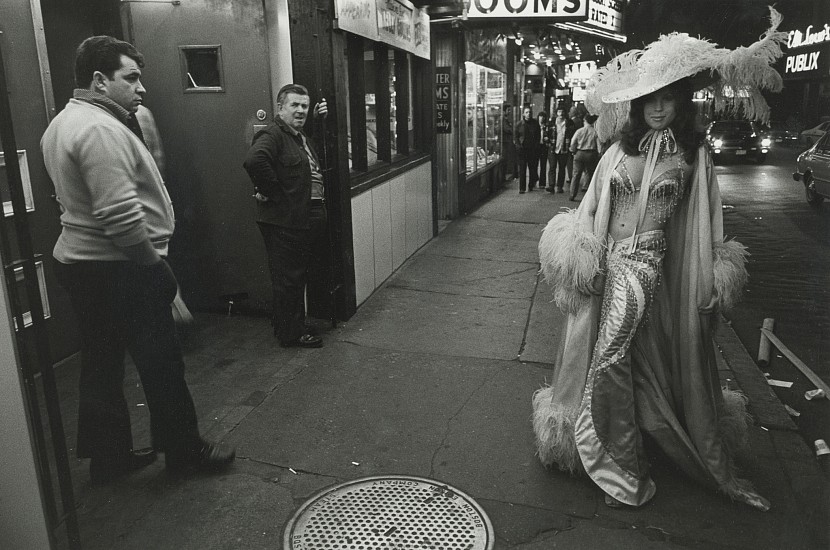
pixel 101 100
pixel 284 125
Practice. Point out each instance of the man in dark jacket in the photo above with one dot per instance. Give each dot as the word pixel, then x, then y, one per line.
pixel 291 212
pixel 527 137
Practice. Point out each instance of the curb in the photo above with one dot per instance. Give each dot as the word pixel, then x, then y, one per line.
pixel 803 474
pixel 764 405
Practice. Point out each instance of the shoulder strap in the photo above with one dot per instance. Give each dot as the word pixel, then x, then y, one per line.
pixel 653 143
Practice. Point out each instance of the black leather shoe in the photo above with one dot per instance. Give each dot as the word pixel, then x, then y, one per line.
pixel 204 457
pixel 304 341
pixel 106 469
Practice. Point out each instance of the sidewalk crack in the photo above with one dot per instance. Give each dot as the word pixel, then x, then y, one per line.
pixel 529 313
pixel 450 420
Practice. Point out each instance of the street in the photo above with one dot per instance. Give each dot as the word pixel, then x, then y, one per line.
pixel 789 242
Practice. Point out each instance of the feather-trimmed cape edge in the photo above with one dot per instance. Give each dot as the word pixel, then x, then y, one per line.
pixel 553 426
pixel 730 272
pixel 570 258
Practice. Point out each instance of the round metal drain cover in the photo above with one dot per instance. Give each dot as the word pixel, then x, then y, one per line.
pixel 394 512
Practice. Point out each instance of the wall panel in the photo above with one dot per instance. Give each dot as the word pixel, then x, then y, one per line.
pixel 390 222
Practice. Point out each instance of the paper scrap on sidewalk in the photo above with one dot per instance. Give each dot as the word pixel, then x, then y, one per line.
pixel 809 395
pixel 821 447
pixel 779 383
pixel 792 411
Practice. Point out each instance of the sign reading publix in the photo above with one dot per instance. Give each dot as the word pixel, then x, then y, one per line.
pixel 564 10
pixel 808 53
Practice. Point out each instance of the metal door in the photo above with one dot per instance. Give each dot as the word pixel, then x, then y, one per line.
pixel 208 85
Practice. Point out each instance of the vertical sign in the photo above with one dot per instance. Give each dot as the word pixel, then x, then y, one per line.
pixel 443 100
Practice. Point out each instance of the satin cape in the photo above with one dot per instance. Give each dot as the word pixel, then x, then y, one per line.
pixel 677 394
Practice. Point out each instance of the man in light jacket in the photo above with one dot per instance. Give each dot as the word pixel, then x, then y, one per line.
pixel 117 220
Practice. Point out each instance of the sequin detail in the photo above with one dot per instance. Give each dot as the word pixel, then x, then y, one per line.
pixel 607 434
pixel 666 192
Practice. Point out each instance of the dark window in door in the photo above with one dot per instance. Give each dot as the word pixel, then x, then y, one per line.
pixel 202 68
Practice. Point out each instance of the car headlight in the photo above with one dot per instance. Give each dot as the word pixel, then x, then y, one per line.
pixel 718 143
pixel 766 142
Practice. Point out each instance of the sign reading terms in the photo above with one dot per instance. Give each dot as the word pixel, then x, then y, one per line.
pixel 443 100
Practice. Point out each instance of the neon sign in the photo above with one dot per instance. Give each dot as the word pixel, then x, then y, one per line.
pixel 797 39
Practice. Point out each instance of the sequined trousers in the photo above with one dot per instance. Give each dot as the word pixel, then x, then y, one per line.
pixel 608 439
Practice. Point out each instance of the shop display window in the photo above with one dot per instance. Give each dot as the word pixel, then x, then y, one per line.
pixel 385 117
pixel 485 94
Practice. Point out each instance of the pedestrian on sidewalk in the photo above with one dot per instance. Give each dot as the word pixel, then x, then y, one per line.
pixel 585 151
pixel 116 221
pixel 291 211
pixel 542 154
pixel 507 139
pixel 527 137
pixel 561 132
pixel 642 268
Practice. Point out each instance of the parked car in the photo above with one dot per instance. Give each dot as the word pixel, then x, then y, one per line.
pixel 813 169
pixel 780 134
pixel 811 135
pixel 738 139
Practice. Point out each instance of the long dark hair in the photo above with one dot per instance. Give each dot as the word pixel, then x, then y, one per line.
pixel 683 126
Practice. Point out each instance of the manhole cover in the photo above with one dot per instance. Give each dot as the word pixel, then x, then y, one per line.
pixel 397 512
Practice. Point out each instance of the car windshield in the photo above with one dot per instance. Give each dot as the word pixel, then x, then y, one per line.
pixel 731 126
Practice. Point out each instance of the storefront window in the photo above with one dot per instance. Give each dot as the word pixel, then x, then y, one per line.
pixel 485 94
pixel 393 124
pixel 387 108
pixel 371 104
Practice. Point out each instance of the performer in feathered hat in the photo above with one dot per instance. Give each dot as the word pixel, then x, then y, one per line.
pixel 642 268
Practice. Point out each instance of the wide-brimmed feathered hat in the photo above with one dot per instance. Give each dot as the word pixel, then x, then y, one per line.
pixel 736 77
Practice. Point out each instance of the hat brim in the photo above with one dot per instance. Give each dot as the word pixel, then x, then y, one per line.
pixel 698 81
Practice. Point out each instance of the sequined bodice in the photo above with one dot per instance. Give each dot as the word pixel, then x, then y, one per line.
pixel 665 193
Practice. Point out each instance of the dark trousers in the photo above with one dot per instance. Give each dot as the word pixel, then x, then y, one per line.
pixel 291 252
pixel 527 162
pixel 558 165
pixel 543 165
pixel 122 306
pixel 585 162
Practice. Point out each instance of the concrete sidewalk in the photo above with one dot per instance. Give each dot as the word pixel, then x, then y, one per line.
pixel 432 377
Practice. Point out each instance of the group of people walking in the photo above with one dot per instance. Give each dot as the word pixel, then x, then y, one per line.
pixel 547 150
